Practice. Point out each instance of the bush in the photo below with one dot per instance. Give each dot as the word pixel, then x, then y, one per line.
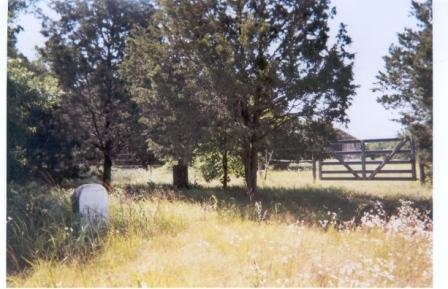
pixel 210 164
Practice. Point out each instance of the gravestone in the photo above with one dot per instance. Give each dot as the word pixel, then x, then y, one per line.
pixel 91 202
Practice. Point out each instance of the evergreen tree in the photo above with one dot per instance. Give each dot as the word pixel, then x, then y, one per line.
pixel 38 145
pixel 406 82
pixel 171 91
pixel 84 48
pixel 267 61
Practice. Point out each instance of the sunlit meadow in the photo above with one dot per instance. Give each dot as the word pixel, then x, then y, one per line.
pixel 296 233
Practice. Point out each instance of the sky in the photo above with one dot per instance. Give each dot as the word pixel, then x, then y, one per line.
pixel 373 26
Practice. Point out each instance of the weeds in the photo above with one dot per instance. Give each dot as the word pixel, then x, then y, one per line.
pixel 157 236
pixel 41 226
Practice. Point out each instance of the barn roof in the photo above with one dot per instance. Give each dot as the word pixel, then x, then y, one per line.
pixel 343 135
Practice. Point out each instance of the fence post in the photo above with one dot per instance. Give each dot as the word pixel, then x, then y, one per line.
pixel 414 174
pixel 314 168
pixel 421 168
pixel 320 169
pixel 363 159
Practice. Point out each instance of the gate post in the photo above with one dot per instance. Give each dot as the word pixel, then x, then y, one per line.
pixel 414 174
pixel 320 169
pixel 363 159
pixel 421 168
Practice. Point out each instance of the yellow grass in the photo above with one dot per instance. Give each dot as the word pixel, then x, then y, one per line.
pixel 208 244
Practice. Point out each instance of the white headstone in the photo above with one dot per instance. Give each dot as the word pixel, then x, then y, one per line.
pixel 91 201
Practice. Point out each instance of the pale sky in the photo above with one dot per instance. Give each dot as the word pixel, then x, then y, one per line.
pixel 373 26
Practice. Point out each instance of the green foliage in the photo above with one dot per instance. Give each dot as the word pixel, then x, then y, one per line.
pixel 166 85
pixel 259 63
pixel 406 82
pixel 211 167
pixel 84 48
pixel 298 140
pixel 38 145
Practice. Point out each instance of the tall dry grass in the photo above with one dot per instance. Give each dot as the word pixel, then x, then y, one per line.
pixel 296 233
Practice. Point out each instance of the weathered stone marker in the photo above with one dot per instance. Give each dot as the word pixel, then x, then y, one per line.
pixel 91 202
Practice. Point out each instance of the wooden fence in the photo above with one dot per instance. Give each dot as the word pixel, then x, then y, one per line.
pixel 354 164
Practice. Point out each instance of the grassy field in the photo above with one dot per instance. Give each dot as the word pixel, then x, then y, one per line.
pixel 295 233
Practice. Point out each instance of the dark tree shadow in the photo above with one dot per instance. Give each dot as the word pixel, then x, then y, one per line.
pixel 306 204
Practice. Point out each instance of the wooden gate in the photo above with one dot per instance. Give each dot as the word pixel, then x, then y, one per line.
pixel 391 159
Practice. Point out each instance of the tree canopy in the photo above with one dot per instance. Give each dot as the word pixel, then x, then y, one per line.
pixel 265 62
pixel 84 48
pixel 212 82
pixel 406 81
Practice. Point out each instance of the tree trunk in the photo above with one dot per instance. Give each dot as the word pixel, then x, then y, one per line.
pixel 107 167
pixel 225 170
pixel 180 175
pixel 250 167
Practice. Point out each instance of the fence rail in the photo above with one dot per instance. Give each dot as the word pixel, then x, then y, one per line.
pixel 343 161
